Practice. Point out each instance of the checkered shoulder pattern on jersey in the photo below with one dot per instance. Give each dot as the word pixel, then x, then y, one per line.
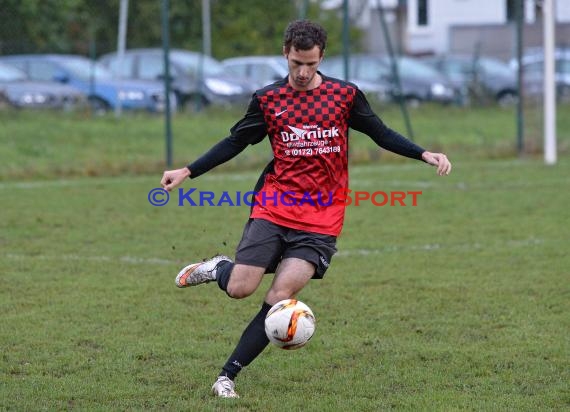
pixel 305 185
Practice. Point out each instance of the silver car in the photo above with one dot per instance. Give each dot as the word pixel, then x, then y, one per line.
pixel 478 76
pixel 259 70
pixel 419 82
pixel 197 79
pixel 533 73
pixel 21 92
pixel 366 78
pixel 103 92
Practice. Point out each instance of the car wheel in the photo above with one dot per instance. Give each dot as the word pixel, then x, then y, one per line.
pixel 506 99
pixel 196 103
pixel 4 102
pixel 413 101
pixel 564 94
pixel 98 106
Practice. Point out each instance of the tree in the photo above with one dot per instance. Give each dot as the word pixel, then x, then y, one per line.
pixel 242 27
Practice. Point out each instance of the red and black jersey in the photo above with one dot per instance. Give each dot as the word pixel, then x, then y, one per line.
pixel 304 185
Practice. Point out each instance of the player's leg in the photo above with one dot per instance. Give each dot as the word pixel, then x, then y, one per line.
pixel 258 252
pixel 237 280
pixel 202 272
pixel 240 280
pixel 291 276
pixel 306 255
pixel 245 279
pixel 259 249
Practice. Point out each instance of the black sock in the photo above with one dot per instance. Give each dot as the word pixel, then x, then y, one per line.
pixel 251 344
pixel 223 272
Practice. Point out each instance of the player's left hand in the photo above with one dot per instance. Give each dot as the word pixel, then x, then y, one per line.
pixel 438 160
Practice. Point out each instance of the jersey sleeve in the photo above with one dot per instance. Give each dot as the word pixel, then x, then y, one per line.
pixel 251 129
pixel 363 119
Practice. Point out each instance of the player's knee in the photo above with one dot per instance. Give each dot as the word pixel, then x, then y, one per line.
pixel 274 296
pixel 239 291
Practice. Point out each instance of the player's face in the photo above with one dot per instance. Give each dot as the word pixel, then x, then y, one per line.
pixel 303 65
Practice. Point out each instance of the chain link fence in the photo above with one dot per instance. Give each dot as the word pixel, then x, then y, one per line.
pixel 90 28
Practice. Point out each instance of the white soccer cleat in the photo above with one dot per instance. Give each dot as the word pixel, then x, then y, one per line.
pixel 224 388
pixel 198 273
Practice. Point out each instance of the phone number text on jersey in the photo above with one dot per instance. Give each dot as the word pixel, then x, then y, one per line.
pixel 310 151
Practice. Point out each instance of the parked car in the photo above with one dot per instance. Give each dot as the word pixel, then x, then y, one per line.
pixel 479 76
pixel 533 73
pixel 419 82
pixel 532 53
pixel 196 78
pixel 366 78
pixel 264 70
pixel 4 102
pixel 103 92
pixel 20 92
pixel 260 70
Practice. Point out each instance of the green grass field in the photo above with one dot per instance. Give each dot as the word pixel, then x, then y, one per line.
pixel 44 146
pixel 458 303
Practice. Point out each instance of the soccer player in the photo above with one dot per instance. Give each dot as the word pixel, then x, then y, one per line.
pixel 306 116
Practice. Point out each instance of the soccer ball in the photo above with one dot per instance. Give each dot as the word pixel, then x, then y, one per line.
pixel 290 324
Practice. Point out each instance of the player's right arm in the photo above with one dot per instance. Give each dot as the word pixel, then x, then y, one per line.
pixel 251 129
pixel 172 178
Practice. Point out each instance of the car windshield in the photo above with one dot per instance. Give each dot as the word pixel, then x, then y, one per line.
pixel 457 69
pixel 11 74
pixel 85 69
pixel 495 68
pixel 332 67
pixel 563 66
pixel 282 62
pixel 413 68
pixel 372 70
pixel 191 62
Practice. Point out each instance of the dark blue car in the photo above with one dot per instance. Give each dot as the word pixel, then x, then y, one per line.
pixel 103 91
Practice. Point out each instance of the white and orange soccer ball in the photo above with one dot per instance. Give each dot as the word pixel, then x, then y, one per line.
pixel 290 324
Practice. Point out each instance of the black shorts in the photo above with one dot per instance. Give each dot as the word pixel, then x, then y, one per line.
pixel 265 244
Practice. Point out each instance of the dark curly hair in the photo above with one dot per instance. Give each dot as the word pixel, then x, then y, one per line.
pixel 304 35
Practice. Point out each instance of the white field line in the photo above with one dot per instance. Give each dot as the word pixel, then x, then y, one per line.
pixel 430 247
pixel 93 181
pixel 229 176
pixel 355 183
pixel 359 175
pixel 86 258
pixel 382 185
pixel 348 253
